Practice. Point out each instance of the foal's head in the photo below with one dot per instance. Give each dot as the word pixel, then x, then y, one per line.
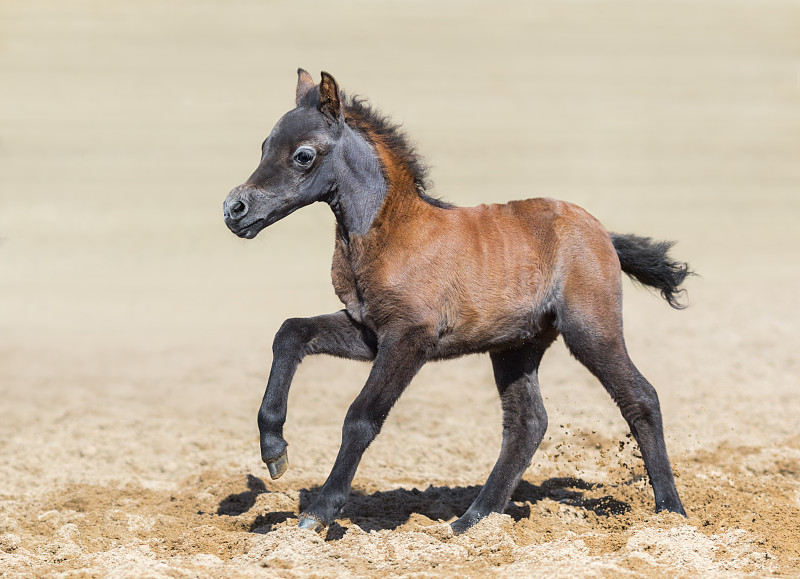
pixel 302 160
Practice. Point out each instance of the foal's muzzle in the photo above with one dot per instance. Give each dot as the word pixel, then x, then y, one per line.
pixel 236 204
pixel 236 209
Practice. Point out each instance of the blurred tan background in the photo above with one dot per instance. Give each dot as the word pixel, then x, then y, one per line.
pixel 135 329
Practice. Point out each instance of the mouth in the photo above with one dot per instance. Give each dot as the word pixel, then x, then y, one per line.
pixel 248 231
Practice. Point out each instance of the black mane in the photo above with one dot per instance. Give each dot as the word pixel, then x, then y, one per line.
pixel 373 122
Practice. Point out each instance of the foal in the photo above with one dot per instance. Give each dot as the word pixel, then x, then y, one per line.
pixel 424 280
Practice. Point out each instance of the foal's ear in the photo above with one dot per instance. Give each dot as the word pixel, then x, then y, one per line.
pixel 329 102
pixel 305 82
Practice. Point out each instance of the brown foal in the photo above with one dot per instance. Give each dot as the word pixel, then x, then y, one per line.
pixel 422 280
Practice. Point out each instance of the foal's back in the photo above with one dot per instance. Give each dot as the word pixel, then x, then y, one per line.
pixel 487 275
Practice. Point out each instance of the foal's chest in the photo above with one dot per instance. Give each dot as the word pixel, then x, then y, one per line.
pixel 347 273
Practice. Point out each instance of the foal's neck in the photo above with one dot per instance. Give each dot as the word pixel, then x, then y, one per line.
pixel 361 187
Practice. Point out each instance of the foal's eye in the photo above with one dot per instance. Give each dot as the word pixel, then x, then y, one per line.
pixel 304 156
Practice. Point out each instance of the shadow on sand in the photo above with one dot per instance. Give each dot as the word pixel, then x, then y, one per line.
pixel 442 503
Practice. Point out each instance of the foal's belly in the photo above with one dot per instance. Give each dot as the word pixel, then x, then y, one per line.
pixel 504 301
pixel 503 332
pixel 477 278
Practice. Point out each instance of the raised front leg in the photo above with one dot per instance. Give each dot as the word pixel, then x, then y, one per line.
pixel 335 334
pixel 399 358
pixel 524 425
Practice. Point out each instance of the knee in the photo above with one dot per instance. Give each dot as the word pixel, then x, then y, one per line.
pixel 291 338
pixel 359 429
pixel 269 421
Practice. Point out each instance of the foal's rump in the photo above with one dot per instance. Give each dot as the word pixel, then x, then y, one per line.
pixel 481 277
pixel 581 264
pixel 589 266
pixel 584 255
pixel 504 271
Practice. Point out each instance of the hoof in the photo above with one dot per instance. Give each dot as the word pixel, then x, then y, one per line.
pixel 674 508
pixel 278 466
pixel 464 523
pixel 309 523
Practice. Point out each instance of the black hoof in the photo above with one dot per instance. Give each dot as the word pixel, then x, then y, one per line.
pixel 670 502
pixel 674 508
pixel 309 523
pixel 466 521
pixel 278 466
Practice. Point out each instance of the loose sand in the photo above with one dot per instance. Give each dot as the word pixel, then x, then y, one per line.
pixel 135 330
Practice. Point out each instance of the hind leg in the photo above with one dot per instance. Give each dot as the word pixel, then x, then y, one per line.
pixel 524 425
pixel 596 340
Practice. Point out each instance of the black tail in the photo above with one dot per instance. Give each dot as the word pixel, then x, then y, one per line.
pixel 649 263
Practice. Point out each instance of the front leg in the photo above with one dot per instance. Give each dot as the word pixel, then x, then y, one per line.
pixel 335 334
pixel 400 356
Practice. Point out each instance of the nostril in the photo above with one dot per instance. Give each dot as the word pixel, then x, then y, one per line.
pixel 237 209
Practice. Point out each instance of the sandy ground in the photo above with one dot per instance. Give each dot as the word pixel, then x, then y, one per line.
pixel 135 330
